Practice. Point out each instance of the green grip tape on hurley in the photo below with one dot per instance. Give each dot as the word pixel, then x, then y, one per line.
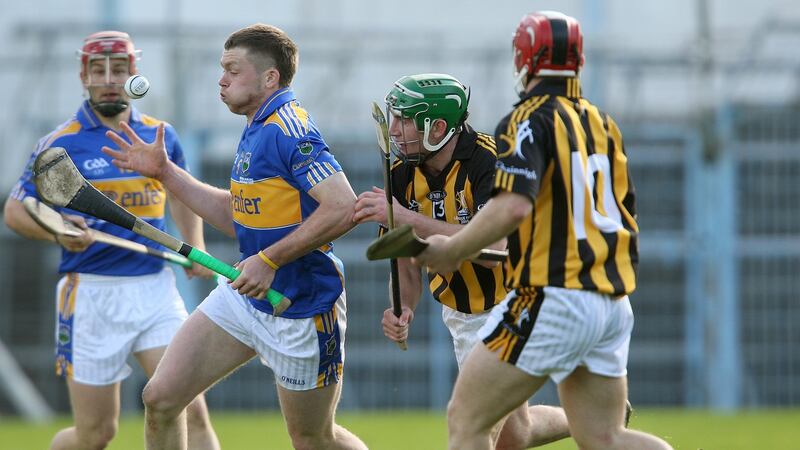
pixel 278 301
pixel 206 260
pixel 176 259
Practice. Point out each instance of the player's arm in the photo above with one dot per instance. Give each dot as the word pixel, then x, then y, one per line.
pixel 371 207
pixel 501 215
pixel 509 206
pixel 426 226
pixel 18 220
pixel 210 203
pixel 151 160
pixel 332 218
pixel 397 328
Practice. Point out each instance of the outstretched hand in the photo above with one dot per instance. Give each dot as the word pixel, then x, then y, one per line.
pixel 147 158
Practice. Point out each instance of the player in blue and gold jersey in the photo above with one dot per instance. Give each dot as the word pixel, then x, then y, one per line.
pixel 112 303
pixel 563 197
pixel 443 177
pixel 288 200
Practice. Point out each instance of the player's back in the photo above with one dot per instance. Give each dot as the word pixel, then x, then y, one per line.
pixel 563 151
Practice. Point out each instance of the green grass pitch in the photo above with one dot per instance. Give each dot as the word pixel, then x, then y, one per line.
pixel 384 430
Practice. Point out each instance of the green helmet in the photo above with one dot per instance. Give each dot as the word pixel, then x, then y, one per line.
pixel 427 97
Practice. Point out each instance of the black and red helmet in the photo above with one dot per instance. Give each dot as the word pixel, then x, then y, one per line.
pixel 546 43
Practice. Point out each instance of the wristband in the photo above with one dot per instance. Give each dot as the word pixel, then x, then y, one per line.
pixel 268 261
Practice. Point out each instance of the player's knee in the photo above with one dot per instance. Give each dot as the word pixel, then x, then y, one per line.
pixel 309 440
pixel 596 440
pixel 97 436
pixel 456 421
pixel 511 440
pixel 158 403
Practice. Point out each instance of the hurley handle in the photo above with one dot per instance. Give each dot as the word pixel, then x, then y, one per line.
pixel 278 301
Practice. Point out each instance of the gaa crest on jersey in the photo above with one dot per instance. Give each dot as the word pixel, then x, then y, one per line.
pixel 95 166
pixel 242 163
pixel 413 205
pixel 246 162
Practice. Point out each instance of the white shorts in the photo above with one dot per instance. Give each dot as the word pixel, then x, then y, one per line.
pixel 464 330
pixel 555 330
pixel 304 354
pixel 101 320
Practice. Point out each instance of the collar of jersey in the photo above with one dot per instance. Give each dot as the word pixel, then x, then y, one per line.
pixel 552 86
pixel 466 143
pixel 89 120
pixel 273 102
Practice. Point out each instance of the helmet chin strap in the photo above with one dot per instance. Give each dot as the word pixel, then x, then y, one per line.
pixel 426 134
pixel 521 81
pixel 109 109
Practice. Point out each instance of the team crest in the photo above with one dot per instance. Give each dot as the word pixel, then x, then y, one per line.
pixel 242 162
pixel 330 346
pixel 524 131
pixel 413 205
pixel 463 214
pixel 64 334
pixel 246 162
pixel 524 317
pixel 305 148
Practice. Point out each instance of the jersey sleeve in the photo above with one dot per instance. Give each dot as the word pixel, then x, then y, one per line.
pixel 522 150
pixel 25 187
pixel 309 158
pixel 482 177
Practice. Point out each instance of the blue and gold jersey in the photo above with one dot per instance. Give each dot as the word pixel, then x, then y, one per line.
pixel 82 137
pixel 281 156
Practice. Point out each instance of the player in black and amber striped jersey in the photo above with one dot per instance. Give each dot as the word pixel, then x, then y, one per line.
pixel 564 199
pixel 442 178
pixel 453 195
pixel 561 150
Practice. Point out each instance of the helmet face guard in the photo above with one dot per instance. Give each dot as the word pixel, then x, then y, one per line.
pixel 107 47
pixel 546 43
pixel 425 98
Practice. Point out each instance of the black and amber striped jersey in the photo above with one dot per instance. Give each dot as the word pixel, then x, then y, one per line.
pixel 455 196
pixel 568 157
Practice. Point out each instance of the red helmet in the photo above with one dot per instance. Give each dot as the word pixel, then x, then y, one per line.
pixel 108 44
pixel 546 43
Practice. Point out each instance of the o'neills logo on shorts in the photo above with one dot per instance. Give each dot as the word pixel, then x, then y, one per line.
pixel 294 381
